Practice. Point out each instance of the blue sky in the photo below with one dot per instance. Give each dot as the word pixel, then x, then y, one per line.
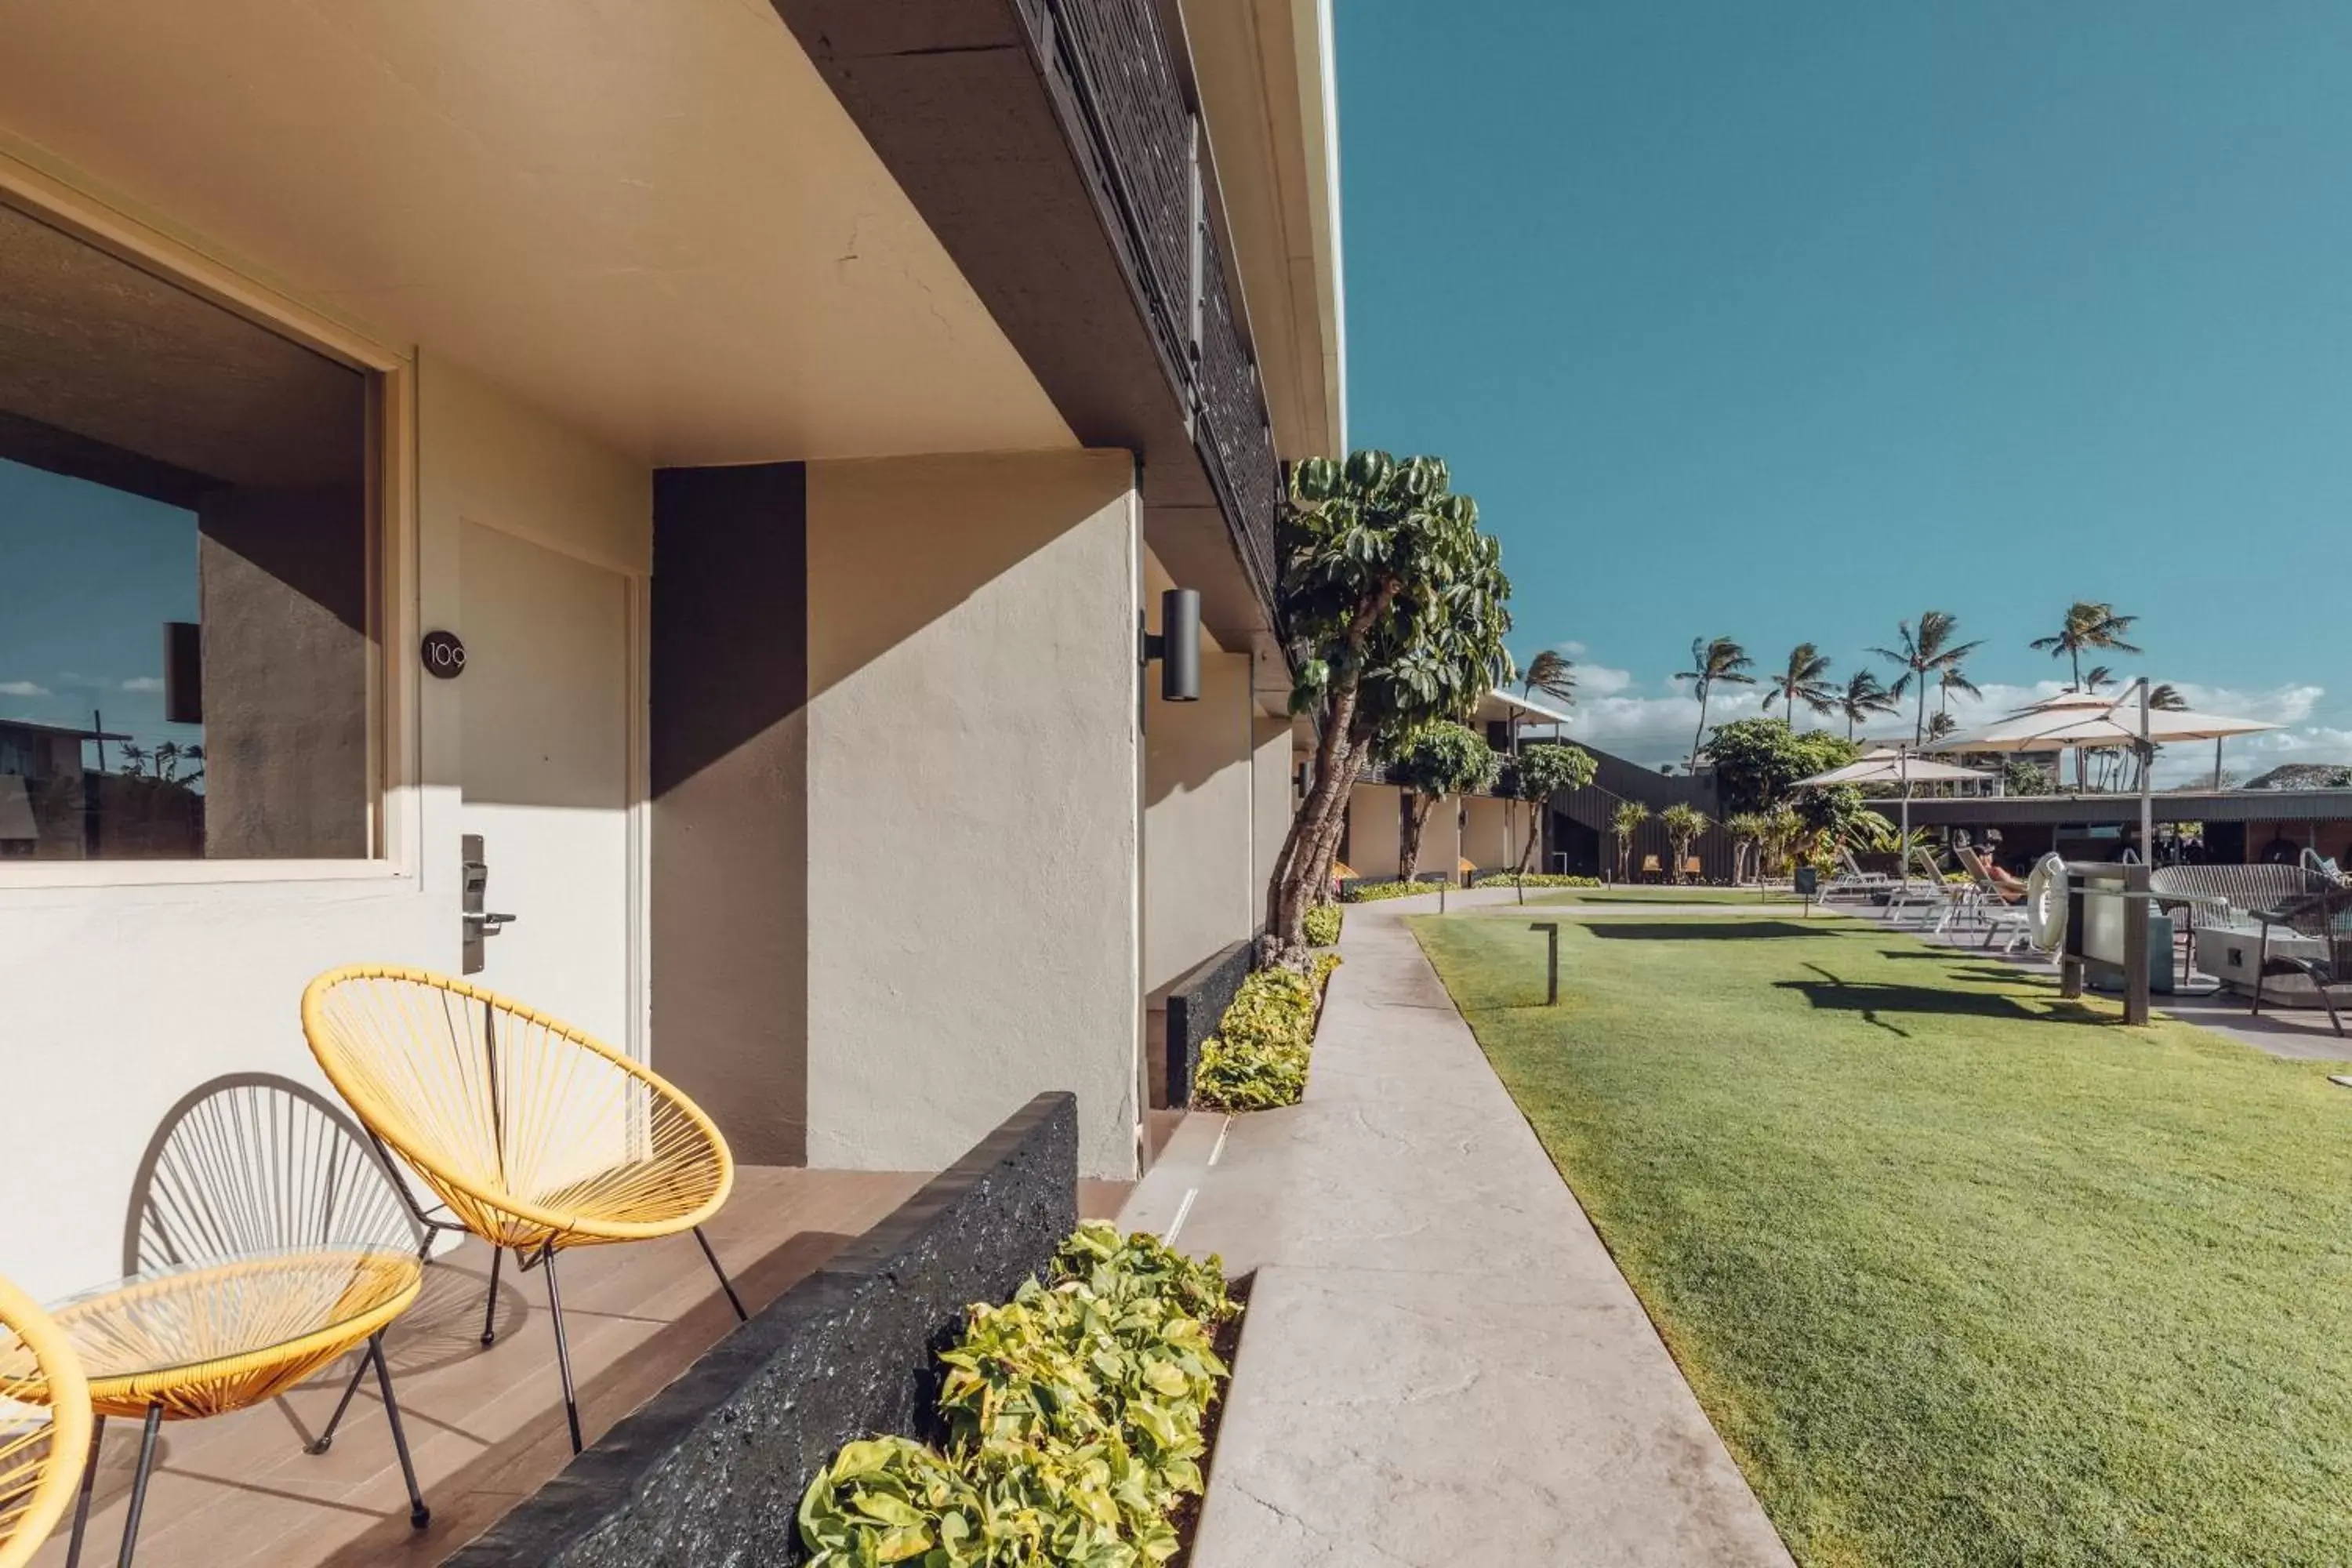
pixel 81 619
pixel 1788 322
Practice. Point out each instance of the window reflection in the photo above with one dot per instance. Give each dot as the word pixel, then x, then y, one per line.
pixel 184 646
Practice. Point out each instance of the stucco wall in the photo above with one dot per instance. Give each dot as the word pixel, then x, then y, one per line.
pixel 1488 839
pixel 730 743
pixel 1273 802
pixel 1441 837
pixel 1197 809
pixel 974 787
pixel 123 1000
pixel 1372 830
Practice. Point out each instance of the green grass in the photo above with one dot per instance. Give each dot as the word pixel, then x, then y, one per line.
pixel 1965 1274
pixel 1668 896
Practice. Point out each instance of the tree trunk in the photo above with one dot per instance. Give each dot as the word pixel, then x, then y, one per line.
pixel 1701 735
pixel 1535 835
pixel 1303 869
pixel 1416 817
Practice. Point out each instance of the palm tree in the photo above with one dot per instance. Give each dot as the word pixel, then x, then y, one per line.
pixel 1551 673
pixel 1684 823
pixel 1712 660
pixel 1624 822
pixel 1806 681
pixel 2165 698
pixel 1954 678
pixel 1864 695
pixel 1941 725
pixel 2100 676
pixel 1924 657
pixel 2088 624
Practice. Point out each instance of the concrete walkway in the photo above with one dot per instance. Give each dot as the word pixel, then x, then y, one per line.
pixel 1441 1363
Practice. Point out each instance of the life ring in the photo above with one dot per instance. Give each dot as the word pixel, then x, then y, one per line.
pixel 2045 904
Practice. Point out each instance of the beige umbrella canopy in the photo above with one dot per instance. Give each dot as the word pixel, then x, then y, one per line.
pixel 1895 766
pixel 2087 719
pixel 1892 766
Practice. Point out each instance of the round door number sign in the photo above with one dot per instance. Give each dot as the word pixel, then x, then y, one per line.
pixel 445 655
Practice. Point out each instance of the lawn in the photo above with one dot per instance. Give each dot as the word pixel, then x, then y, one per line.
pixel 1963 1273
pixel 1640 895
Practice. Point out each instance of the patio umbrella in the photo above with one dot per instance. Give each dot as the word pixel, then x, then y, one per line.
pixel 2085 720
pixel 1894 764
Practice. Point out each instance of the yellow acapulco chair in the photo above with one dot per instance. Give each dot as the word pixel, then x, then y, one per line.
pixel 45 1422
pixel 537 1137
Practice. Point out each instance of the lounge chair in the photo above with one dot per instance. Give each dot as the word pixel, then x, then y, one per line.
pixel 1998 904
pixel 2325 918
pixel 1854 879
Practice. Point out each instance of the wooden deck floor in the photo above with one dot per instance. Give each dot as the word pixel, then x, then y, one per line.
pixel 485 1426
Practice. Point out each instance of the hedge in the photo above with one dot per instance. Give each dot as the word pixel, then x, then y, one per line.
pixel 1533 880
pixel 1257 1059
pixel 1323 925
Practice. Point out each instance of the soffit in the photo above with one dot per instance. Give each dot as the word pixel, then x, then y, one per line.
pixel 655 220
pixel 1258 68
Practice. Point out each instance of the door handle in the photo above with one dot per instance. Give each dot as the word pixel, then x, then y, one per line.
pixel 489 924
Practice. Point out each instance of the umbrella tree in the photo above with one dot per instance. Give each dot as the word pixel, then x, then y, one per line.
pixel 1396 606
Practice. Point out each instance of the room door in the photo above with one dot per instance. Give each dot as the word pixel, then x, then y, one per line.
pixel 548 694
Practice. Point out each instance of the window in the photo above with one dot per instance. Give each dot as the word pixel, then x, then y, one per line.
pixel 186 650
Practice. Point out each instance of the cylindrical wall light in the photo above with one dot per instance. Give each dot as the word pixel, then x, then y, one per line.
pixel 1180 646
pixel 1177 646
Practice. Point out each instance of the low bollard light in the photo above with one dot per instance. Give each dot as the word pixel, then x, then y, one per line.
pixel 1551 960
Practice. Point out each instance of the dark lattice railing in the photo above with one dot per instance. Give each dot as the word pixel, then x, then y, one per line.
pixel 1239 443
pixel 1114 80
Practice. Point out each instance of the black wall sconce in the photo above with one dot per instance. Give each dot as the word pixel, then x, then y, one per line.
pixel 1177 646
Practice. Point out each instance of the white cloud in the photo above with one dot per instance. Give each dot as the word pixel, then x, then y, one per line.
pixel 1600 681
pixel 22 688
pixel 143 683
pixel 1570 649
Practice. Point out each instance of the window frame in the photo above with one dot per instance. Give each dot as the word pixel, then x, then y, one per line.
pixel 394 825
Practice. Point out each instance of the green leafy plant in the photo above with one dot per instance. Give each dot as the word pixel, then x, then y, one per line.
pixel 1397 607
pixel 1439 760
pixel 1076 1414
pixel 1545 769
pixel 1323 925
pixel 1624 822
pixel 1257 1059
pixel 1535 880
pixel 1374 892
pixel 1684 823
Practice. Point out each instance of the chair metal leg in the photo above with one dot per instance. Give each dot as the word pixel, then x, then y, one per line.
pixel 562 1348
pixel 419 1515
pixel 89 1483
pixel 138 1485
pixel 2261 962
pixel 491 1311
pixel 326 1437
pixel 732 1299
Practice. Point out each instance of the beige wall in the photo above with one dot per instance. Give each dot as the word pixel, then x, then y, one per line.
pixel 1197 783
pixel 1273 799
pixel 974 795
pixel 1491 838
pixel 125 1001
pixel 1372 830
pixel 1441 837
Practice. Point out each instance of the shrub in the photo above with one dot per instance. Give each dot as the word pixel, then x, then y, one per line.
pixel 1373 892
pixel 1323 925
pixel 1257 1059
pixel 1076 1413
pixel 1533 880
